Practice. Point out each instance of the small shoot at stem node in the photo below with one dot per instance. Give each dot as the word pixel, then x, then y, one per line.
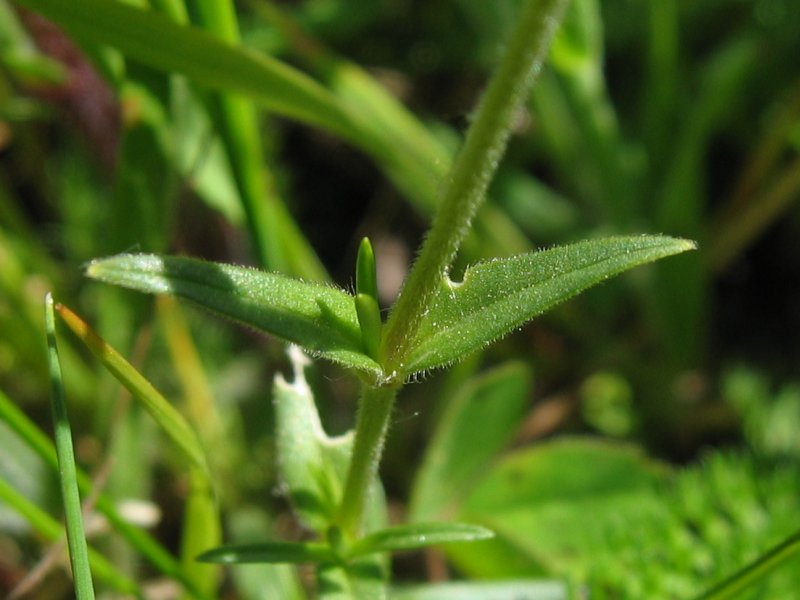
pixel 366 299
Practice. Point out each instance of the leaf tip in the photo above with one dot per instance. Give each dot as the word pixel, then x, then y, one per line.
pixel 93 268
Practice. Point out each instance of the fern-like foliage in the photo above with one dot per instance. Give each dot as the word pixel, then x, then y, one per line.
pixel 711 520
pixel 714 517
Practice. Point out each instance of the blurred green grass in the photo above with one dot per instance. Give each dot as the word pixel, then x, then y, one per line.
pixel 669 117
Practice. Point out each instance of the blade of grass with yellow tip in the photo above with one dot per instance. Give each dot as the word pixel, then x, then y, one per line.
pixel 167 417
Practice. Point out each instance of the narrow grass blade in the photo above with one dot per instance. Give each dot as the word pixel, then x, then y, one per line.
pixel 169 419
pixel 317 317
pixel 76 538
pixel 755 571
pixel 497 296
pixel 418 535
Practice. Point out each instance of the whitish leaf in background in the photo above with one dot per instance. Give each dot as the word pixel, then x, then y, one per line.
pixel 497 296
pixel 312 464
pixel 317 317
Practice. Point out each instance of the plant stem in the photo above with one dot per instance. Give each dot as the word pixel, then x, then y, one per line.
pixel 465 187
pixel 375 408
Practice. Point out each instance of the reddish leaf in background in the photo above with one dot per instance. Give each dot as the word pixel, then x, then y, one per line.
pixel 85 98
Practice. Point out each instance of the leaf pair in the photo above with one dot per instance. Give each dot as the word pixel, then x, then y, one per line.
pixel 494 298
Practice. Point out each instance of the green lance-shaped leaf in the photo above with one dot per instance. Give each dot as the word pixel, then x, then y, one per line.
pixel 497 296
pixel 317 317
pixel 418 535
pixel 67 470
pixel 269 552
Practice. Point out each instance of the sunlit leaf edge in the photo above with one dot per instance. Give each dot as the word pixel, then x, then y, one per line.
pixel 497 296
pixel 318 317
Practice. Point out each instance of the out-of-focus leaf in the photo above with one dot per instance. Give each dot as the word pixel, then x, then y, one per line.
pixel 558 500
pixel 476 425
pixel 497 296
pixel 201 530
pixel 277 241
pixel 578 43
pixel 153 39
pixel 496 590
pixel 269 552
pixel 418 535
pixel 199 154
pixel 317 317
pixel 538 210
pixel 363 578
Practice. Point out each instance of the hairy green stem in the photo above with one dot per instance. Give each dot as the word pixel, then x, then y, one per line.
pixel 375 408
pixel 462 194
pixel 465 187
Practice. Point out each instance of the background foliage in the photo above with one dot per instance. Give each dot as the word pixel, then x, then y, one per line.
pixel 637 440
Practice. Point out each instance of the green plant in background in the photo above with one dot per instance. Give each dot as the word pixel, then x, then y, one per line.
pixel 435 322
pixel 190 95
